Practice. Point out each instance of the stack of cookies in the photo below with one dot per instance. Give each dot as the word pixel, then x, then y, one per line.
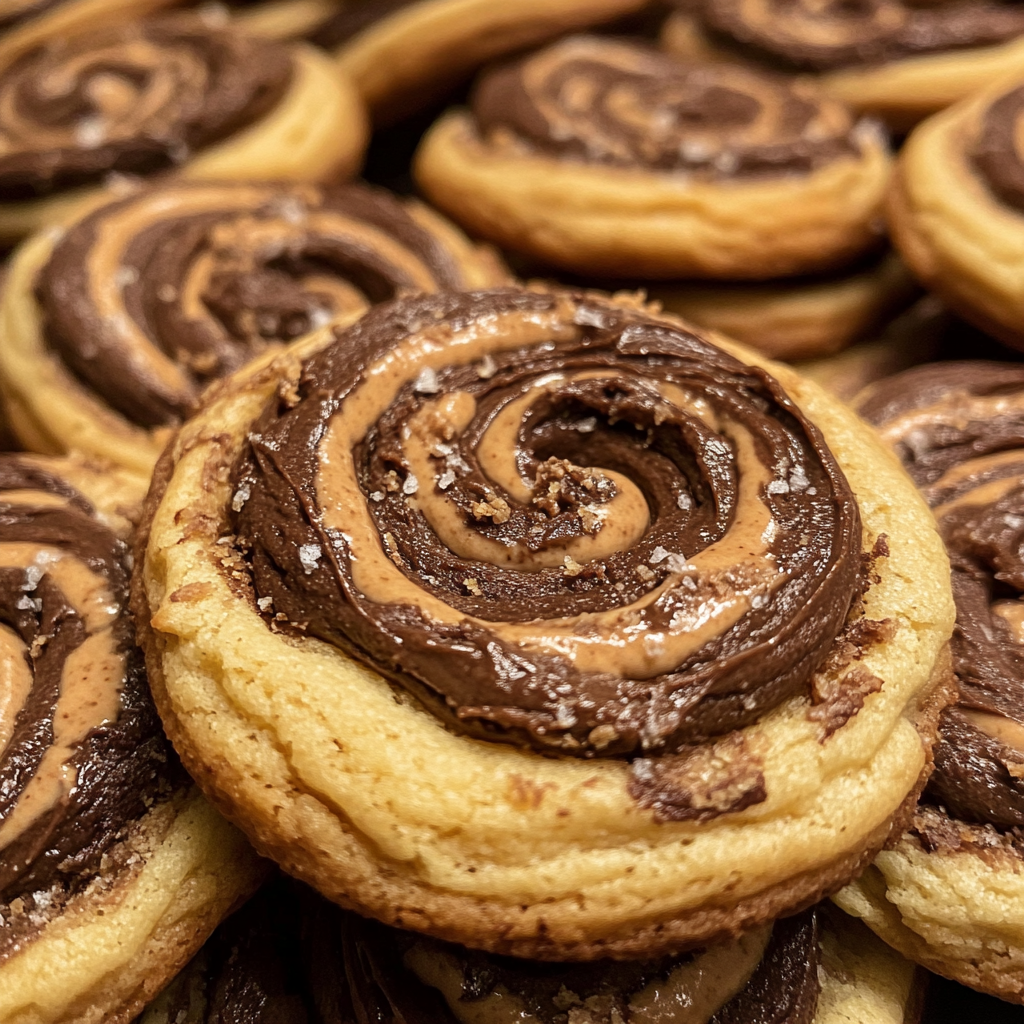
pixel 437 605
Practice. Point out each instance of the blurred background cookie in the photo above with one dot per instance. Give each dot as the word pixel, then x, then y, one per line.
pixel 900 60
pixel 606 157
pixel 113 868
pixel 165 95
pixel 111 330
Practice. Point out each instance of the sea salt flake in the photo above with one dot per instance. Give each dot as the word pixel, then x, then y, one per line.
pixel 445 480
pixel 411 485
pixel 777 487
pixel 426 383
pixel 241 496
pixel 659 554
pixel 309 556
pixel 684 501
pixel 486 368
pixel 587 426
pixel 265 604
pixel 376 495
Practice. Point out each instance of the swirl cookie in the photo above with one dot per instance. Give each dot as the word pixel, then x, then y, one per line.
pixel 605 157
pixel 405 54
pixel 113 868
pixel 555 622
pixel 289 956
pixel 168 94
pixel 900 60
pixel 801 319
pixel 111 330
pixel 956 209
pixel 950 895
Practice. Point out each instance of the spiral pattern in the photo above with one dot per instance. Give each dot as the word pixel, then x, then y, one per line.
pixel 82 754
pixel 289 954
pixel 959 430
pixel 555 520
pixel 148 299
pixel 136 99
pixel 822 35
pixel 597 100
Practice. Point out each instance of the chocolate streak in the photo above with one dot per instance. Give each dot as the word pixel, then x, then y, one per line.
pixel 602 101
pixel 137 99
pixel 207 276
pixel 959 430
pixel 121 765
pixel 16 12
pixel 289 956
pixel 826 35
pixel 751 518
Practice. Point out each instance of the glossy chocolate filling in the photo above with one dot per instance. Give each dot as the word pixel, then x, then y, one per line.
pixel 136 99
pixel 995 154
pixel 959 430
pixel 826 35
pixel 149 299
pixel 556 521
pixel 602 101
pixel 82 753
pixel 289 956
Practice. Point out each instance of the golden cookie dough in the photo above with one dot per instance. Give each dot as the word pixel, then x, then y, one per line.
pixel 901 91
pixel 956 212
pixel 362 791
pixel 108 341
pixel 801 319
pixel 301 119
pixel 410 54
pixel 91 931
pixel 625 180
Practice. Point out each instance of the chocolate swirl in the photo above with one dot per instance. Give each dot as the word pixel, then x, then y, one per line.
pixel 959 430
pixel 82 755
pixel 137 99
pixel 995 153
pixel 556 520
pixel 148 299
pixel 824 35
pixel 291 956
pixel 601 101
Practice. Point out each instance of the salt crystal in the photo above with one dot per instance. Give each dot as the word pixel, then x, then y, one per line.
pixel 309 555
pixel 426 383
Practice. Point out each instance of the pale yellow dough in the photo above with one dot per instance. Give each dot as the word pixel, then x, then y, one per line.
pixel 367 796
pixel 410 58
pixel 955 234
pixel 619 221
pixel 317 132
pixel 900 92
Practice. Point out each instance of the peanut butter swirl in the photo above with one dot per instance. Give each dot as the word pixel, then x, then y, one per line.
pixel 137 99
pixel 823 35
pixel 82 755
pixel 554 519
pixel 289 955
pixel 959 430
pixel 603 101
pixel 150 298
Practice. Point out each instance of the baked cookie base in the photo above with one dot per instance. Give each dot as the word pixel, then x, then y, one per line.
pixel 490 845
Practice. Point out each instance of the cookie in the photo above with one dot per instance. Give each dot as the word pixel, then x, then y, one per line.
pixel 801 319
pixel 113 867
pixel 111 329
pixel 897 59
pixel 606 157
pixel 949 895
pixel 187 97
pixel 282 19
pixel 289 955
pixel 529 621
pixel 405 54
pixel 956 209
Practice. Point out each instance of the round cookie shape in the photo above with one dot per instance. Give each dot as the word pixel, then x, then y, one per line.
pixel 405 54
pixel 611 158
pixel 289 954
pixel 167 95
pixel 112 329
pixel 956 209
pixel 959 430
pixel 895 59
pixel 804 318
pixel 113 868
pixel 444 448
